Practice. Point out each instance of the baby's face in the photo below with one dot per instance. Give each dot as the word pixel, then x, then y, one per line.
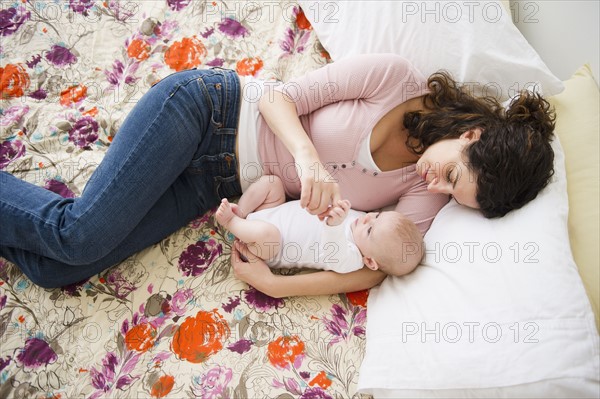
pixel 374 232
pixel 378 235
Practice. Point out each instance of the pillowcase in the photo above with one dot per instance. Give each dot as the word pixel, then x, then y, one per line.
pixel 475 41
pixel 497 308
pixel 578 127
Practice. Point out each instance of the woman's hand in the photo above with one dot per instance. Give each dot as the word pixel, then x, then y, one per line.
pixel 250 268
pixel 319 190
pixel 255 272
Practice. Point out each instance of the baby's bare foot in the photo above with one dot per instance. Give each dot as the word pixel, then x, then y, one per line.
pixel 237 211
pixel 225 213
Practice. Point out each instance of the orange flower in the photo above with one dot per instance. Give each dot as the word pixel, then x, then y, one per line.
pixel 138 49
pixel 140 338
pixel 72 95
pixel 14 80
pixel 321 380
pixel 186 54
pixel 162 387
pixel 249 66
pixel 358 298
pixel 302 21
pixel 200 337
pixel 285 350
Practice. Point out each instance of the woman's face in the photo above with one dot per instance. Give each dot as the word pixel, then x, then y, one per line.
pixel 445 170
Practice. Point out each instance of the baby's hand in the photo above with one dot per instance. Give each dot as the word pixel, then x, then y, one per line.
pixel 338 213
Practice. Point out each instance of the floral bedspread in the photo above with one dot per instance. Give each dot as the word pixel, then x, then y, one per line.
pixel 171 321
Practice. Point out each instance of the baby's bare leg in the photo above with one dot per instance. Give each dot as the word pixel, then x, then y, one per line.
pixel 266 192
pixel 263 238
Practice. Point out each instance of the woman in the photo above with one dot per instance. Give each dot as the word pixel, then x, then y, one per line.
pixel 370 128
pixel 471 149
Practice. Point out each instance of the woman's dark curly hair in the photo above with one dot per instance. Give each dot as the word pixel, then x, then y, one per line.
pixel 513 159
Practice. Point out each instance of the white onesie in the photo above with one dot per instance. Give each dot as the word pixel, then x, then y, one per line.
pixel 307 242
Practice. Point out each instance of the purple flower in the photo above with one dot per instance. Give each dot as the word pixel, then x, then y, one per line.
pixel 9 151
pixel 217 62
pixel 11 19
pixel 60 188
pixel 337 325
pixel 114 76
pixel 13 115
pixel 122 284
pixel 121 74
pixel 4 363
pixel 121 12
pixel 207 32
pixel 36 353
pixel 177 5
pixel 81 6
pixel 104 379
pixel 294 43
pixel 200 221
pixel 3 299
pixel 233 28
pixel 4 268
pixel 107 375
pixel 231 304
pixel 60 56
pixel 34 61
pixel 342 325
pixel 198 257
pixel 84 132
pixel 242 346
pixel 180 300
pixel 73 289
pixel 262 302
pixel 39 94
pixel 212 384
pixel 315 393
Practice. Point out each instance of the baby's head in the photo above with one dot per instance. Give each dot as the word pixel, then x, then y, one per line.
pixel 389 242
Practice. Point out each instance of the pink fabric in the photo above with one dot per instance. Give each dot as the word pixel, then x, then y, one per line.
pixel 339 104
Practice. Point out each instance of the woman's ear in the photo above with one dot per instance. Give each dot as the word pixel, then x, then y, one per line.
pixel 370 263
pixel 472 134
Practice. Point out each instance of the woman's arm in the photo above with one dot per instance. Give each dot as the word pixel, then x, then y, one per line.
pixel 256 273
pixel 369 77
pixel 318 191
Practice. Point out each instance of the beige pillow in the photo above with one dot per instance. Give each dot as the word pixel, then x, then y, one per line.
pixel 577 126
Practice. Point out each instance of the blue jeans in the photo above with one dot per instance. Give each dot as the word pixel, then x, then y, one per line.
pixel 171 161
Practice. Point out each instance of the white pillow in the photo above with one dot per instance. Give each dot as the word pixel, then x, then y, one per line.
pixel 475 41
pixel 496 309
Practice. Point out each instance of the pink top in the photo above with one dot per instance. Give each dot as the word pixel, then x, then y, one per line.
pixel 339 105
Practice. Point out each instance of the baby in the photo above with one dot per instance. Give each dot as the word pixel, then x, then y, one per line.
pixel 285 235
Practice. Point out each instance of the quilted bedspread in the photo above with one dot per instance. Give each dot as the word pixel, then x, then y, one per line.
pixel 172 320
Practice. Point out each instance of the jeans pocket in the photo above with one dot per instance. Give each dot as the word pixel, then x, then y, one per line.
pixel 211 87
pixel 227 187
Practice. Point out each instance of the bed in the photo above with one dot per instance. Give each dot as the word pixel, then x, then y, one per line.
pixel 172 320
